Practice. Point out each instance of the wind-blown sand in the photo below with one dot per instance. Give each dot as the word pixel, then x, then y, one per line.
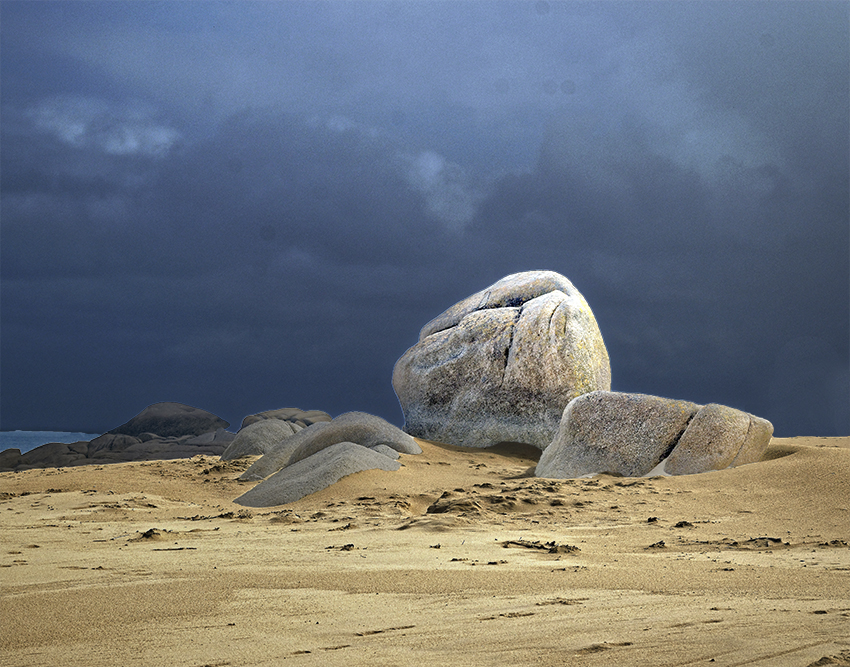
pixel 151 563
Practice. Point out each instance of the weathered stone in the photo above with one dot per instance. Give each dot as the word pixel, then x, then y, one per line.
pixel 756 442
pixel 50 455
pixel 636 434
pixel 314 473
pixel 358 427
pixel 259 437
pixel 54 454
pixel 113 442
pixel 613 432
pixel 9 458
pixel 711 442
pixel 361 428
pixel 171 419
pixel 502 364
pixel 293 415
pixel 161 449
pixel 386 451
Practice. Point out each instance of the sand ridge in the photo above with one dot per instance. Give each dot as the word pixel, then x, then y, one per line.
pixel 460 557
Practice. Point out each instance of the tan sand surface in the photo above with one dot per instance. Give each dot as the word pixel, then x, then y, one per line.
pixel 459 558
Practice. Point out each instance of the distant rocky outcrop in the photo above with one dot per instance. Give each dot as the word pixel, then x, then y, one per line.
pixel 637 434
pixel 502 364
pixel 180 434
pixel 171 420
pixel 301 418
pixel 322 454
pixel 111 448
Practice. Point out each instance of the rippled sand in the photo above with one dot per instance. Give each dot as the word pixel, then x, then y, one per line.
pixel 459 558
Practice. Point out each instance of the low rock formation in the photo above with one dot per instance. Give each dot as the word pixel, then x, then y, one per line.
pixel 636 434
pixel 502 364
pixel 357 427
pixel 179 435
pixel 719 437
pixel 109 448
pixel 259 437
pixel 171 420
pixel 316 472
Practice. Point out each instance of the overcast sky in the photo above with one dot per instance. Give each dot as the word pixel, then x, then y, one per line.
pixel 247 206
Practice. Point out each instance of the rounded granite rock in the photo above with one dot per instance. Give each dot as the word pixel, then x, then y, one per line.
pixel 614 432
pixel 259 437
pixel 314 473
pixel 637 434
pixel 358 427
pixel 719 437
pixel 711 441
pixel 113 442
pixel 502 364
pixel 756 441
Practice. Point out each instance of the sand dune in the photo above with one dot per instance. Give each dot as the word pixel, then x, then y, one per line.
pixel 460 557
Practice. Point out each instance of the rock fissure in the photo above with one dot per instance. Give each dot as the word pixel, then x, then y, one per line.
pixel 637 434
pixel 454 388
pixel 676 439
pixel 551 317
pixel 523 361
pixel 509 348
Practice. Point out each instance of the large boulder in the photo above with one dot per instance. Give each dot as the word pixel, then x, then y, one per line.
pixel 171 420
pixel 316 472
pixel 502 364
pixel 357 427
pixel 637 434
pixel 259 437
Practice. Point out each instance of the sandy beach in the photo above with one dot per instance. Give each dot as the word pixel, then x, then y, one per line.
pixel 459 558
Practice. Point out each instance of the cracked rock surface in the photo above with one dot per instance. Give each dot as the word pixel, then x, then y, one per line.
pixel 638 434
pixel 501 365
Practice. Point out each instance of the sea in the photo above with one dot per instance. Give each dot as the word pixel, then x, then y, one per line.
pixel 27 440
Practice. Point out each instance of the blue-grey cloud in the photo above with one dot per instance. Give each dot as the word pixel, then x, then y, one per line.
pixel 249 205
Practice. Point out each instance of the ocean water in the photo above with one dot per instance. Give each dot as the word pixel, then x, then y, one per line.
pixel 27 440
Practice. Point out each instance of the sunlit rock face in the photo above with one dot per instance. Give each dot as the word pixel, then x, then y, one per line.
pixel 637 434
pixel 719 437
pixel 502 364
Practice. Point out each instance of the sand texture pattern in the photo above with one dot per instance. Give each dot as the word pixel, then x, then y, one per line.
pixel 460 557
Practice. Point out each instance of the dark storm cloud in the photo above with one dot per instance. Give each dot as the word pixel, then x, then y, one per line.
pixel 246 206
